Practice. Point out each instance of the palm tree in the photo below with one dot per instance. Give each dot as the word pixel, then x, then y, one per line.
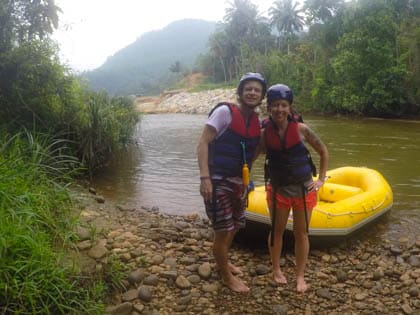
pixel 286 18
pixel 322 10
pixel 243 29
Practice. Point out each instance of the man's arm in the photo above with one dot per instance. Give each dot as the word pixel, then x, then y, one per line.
pixel 208 135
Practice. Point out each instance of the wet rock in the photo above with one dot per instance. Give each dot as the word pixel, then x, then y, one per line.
pixel 137 276
pixel 83 233
pixel 396 250
pixel 84 245
pixel 413 291
pixel 407 309
pixel 341 275
pixel 414 261
pixel 99 199
pixel 130 295
pixel 98 251
pixel 324 293
pixel 262 269
pixel 122 309
pixel 151 280
pixel 144 293
pixel 204 270
pixel 171 274
pixel 280 309
pixel 182 282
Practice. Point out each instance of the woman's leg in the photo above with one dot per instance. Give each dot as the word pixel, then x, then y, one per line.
pixel 275 248
pixel 301 246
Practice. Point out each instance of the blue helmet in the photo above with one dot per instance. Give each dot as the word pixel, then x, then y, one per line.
pixel 279 92
pixel 252 76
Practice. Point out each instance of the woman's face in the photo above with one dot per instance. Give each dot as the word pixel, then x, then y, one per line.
pixel 279 110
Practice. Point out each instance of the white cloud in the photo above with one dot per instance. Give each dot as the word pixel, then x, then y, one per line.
pixel 92 30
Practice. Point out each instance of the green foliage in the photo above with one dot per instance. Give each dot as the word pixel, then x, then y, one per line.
pixel 108 124
pixel 22 21
pixel 357 57
pixel 35 225
pixel 37 93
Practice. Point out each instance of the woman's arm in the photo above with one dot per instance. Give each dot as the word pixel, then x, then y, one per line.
pixel 260 147
pixel 320 148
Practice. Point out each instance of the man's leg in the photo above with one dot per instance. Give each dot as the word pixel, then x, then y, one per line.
pixel 221 245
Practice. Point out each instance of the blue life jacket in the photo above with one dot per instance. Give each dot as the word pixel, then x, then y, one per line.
pixel 225 152
pixel 288 161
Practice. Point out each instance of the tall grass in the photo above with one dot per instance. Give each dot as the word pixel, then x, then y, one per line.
pixel 35 228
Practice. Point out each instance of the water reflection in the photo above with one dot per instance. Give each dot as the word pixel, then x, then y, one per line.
pixel 161 170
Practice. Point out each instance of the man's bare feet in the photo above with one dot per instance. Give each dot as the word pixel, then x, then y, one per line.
pixel 235 284
pixel 233 269
pixel 301 285
pixel 279 277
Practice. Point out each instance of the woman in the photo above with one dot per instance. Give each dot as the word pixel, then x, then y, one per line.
pixel 288 171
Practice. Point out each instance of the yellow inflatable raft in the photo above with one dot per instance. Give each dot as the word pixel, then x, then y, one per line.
pixel 349 199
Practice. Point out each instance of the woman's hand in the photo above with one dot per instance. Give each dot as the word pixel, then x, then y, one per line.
pixel 316 185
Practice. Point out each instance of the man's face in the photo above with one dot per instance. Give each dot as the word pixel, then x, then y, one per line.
pixel 252 93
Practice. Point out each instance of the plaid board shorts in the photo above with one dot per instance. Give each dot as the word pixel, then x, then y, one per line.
pixel 226 212
pixel 295 203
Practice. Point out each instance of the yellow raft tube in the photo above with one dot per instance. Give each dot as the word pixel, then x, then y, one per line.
pixel 349 199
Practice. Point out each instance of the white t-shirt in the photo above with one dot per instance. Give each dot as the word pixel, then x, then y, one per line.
pixel 220 119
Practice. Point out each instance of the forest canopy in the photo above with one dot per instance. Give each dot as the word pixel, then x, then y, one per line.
pixel 354 57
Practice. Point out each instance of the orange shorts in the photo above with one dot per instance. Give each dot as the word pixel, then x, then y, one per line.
pixel 295 203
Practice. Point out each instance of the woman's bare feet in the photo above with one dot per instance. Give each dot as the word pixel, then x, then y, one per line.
pixel 279 277
pixel 235 284
pixel 301 285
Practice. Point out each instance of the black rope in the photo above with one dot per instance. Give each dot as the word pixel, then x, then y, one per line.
pixel 273 216
pixel 304 207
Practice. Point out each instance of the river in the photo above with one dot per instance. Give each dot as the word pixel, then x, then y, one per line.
pixel 161 169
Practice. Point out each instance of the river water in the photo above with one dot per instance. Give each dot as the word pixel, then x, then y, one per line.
pixel 161 169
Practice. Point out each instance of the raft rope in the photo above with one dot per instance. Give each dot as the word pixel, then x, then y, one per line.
pixel 304 208
pixel 329 214
pixel 273 216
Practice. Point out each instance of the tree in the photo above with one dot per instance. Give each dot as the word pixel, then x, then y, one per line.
pixel 244 28
pixel 321 11
pixel 368 77
pixel 286 18
pixel 25 20
pixel 175 67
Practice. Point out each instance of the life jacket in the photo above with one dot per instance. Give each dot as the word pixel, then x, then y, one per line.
pixel 288 161
pixel 235 146
pixel 294 116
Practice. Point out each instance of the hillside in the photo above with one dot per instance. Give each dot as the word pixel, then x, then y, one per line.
pixel 143 66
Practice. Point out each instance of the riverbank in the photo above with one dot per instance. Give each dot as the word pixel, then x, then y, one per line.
pixel 184 102
pixel 170 268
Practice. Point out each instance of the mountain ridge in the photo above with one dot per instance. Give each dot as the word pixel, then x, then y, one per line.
pixel 143 66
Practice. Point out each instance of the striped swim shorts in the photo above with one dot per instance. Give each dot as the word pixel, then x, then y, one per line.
pixel 226 212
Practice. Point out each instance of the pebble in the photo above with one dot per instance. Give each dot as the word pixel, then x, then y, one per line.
pixel 176 274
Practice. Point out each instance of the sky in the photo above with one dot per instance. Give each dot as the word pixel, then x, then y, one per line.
pixel 92 30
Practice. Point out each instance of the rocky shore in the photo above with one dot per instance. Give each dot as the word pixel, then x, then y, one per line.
pixel 169 268
pixel 184 102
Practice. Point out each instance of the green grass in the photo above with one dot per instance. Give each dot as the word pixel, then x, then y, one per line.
pixel 36 229
pixel 205 86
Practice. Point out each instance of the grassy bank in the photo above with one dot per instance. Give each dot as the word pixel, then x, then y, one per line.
pixel 37 224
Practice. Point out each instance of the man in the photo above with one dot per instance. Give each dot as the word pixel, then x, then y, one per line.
pixel 226 146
